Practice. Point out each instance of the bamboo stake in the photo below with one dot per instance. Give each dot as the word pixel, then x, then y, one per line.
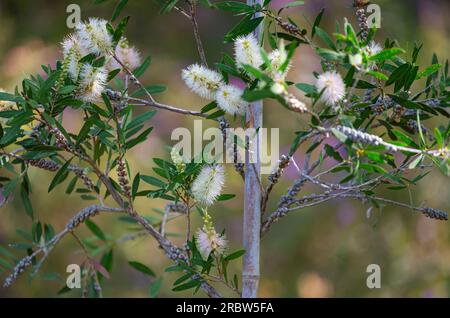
pixel 252 198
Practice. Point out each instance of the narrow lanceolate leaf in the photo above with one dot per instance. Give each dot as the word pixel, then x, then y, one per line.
pixel 142 268
pixel 428 71
pixel 142 137
pixel 386 54
pixel 325 37
pixel 10 98
pixel 247 25
pixel 317 22
pixel 95 229
pixel 168 6
pixel 120 6
pixel 235 255
pixel 60 175
pixel 378 75
pixel 144 66
pixel 140 120
pixel 189 285
pixel 235 6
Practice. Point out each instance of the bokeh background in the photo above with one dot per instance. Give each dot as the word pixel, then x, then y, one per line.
pixel 318 252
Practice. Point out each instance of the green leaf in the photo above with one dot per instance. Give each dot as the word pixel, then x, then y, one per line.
pixel 142 268
pixel 332 153
pixel 144 66
pixel 60 175
pixel 254 95
pixel 386 54
pixel 107 260
pixel 10 98
pixel 398 74
pixel 415 162
pixel 209 107
pixel 153 181
pixel 325 37
pixel 120 6
pixel 140 119
pixel 428 71
pixel 225 197
pixel 142 137
pixel 26 201
pixel 404 102
pixel 85 130
pixel 216 114
pixel 298 139
pixel 151 89
pixel 155 287
pixel 120 29
pixel 317 22
pixel 95 229
pixel 245 26
pixel 294 4
pixel 189 285
pixel 439 138
pixel 306 88
pixel 378 75
pixel 235 6
pixel 234 255
pixel 168 6
pixel 135 186
pixel 329 55
pixel 66 89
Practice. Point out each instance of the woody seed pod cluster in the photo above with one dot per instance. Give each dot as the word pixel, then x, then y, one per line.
pixel 362 19
pixel 123 179
pixel 283 162
pixel 86 180
pixel 294 104
pixel 435 214
pixel 82 216
pixel 44 164
pixel 18 269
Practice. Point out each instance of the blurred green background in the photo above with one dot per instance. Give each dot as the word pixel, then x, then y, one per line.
pixel 318 252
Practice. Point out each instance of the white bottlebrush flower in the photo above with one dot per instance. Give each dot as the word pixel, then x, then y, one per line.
pixel 208 240
pixel 92 82
pixel 229 99
pixel 178 159
pixel 333 85
pixel 94 36
pixel 202 81
pixel 247 51
pixel 129 56
pixel 277 59
pixel 373 48
pixel 73 52
pixel 208 184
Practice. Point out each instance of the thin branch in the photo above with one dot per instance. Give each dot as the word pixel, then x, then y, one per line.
pixel 198 40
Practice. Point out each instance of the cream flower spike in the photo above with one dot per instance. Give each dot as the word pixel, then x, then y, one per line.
pixel 333 85
pixel 202 81
pixel 73 52
pixel 208 184
pixel 208 240
pixel 247 51
pixel 126 54
pixel 92 83
pixel 94 36
pixel 229 99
